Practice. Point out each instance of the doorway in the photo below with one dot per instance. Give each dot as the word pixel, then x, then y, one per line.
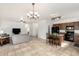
pixel 34 29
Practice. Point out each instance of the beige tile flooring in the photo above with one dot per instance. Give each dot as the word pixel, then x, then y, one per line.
pixel 38 47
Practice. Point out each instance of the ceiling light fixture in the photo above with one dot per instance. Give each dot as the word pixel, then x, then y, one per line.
pixel 31 16
pixel 55 16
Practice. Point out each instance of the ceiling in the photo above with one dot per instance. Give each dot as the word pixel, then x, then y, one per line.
pixel 17 10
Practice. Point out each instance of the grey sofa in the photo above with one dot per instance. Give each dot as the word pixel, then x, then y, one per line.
pixel 16 39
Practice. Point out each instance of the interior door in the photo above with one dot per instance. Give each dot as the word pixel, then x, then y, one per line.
pixel 35 29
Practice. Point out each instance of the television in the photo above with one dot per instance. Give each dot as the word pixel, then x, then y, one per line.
pixel 16 30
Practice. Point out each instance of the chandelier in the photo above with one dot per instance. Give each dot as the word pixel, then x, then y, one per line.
pixel 31 16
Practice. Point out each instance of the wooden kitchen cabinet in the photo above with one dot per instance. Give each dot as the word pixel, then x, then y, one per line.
pixel 62 26
pixel 76 25
pixel 76 38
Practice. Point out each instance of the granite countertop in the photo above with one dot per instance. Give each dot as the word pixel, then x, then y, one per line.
pixel 60 34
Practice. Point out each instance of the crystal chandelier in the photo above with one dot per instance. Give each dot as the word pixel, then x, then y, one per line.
pixel 31 16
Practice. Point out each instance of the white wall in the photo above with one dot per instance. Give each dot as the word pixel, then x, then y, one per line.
pixel 7 25
pixel 42 29
pixel 11 13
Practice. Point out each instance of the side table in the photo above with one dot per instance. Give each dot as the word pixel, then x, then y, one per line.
pixel 4 40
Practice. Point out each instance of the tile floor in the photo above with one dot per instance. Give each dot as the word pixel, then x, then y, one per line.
pixel 38 47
